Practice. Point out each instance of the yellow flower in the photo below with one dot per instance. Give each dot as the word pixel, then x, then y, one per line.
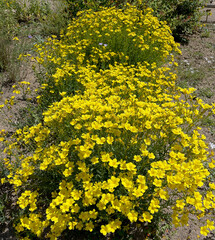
pixel 157 182
pixel 151 156
pixel 146 217
pixel 105 229
pixel 105 157
pixel 89 226
pixel 100 140
pixel 137 192
pixel 127 183
pixel 180 204
pixel 131 167
pixel 132 216
pixel 210 225
pixel 114 163
pixel 15 39
pixel 204 230
pixel 137 158
pixel 95 160
pixel 147 141
pixel 110 140
pixel 163 194
pixel 154 206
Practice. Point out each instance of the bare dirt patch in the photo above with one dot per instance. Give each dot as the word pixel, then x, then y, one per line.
pixel 197 69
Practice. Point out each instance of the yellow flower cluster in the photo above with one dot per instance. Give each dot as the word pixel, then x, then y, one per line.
pixel 27 198
pixel 120 149
pixel 101 38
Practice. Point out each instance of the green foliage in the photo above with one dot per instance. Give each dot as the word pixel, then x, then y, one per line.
pixel 31 10
pixel 182 16
pixel 79 5
pixel 8 50
pixel 8 24
pixel 8 210
pixel 56 22
pixel 206 92
pixel 4 54
pixel 190 77
pixel 13 36
pixel 52 19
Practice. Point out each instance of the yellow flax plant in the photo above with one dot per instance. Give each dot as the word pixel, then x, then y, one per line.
pixel 101 39
pixel 118 153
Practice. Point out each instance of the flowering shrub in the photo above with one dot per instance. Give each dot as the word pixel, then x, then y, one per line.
pixel 100 39
pixel 118 142
pixel 123 150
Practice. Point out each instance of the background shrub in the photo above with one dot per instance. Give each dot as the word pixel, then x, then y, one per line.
pixel 182 16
